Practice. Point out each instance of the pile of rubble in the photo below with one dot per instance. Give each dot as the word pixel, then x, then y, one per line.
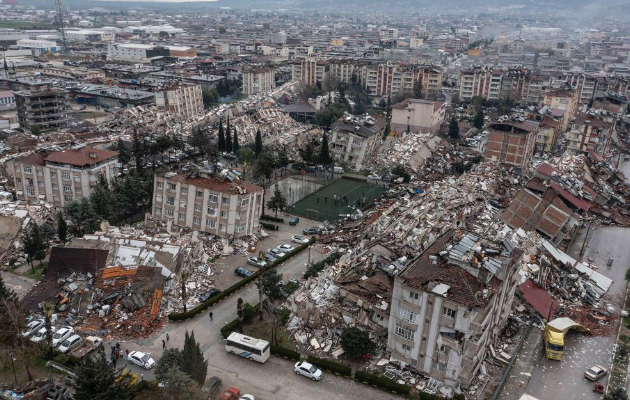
pixel 411 151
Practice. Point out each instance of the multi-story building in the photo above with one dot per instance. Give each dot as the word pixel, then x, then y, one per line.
pixel 418 116
pixel 511 143
pixel 86 35
pixel 587 132
pixel 39 46
pixel 258 80
pixel 135 52
pixel 564 99
pixel 353 141
pixel 310 71
pixel 42 108
pixel 183 100
pixel 548 133
pixel 450 304
pixel 61 176
pixel 209 204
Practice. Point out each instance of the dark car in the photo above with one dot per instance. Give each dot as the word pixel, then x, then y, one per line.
pixel 294 221
pixel 311 231
pixel 242 271
pixel 210 293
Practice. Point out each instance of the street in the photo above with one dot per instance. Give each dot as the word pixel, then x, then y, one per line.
pixel 565 379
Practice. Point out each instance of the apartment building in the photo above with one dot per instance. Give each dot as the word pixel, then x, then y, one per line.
pixel 78 74
pixel 61 176
pixel 511 143
pixel 258 80
pixel 418 116
pixel 354 140
pixel 548 132
pixel 586 133
pixel 310 71
pixel 183 100
pixel 563 99
pixel 450 304
pixel 206 203
pixel 42 108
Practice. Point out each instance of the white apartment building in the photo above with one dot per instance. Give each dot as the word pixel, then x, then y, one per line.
pixel 450 304
pixel 419 116
pixel 61 176
pixel 184 100
pixel 208 204
pixel 258 80
pixel 353 142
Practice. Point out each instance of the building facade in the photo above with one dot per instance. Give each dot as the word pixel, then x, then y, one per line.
pixel 258 80
pixel 42 108
pixel 511 143
pixel 566 100
pixel 183 100
pixel 61 176
pixel 418 116
pixel 354 142
pixel 208 204
pixel 587 133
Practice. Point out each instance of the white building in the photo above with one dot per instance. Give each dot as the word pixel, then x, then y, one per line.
pixel 258 80
pixel 417 115
pixel 85 35
pixel 184 100
pixel 38 46
pixel 135 52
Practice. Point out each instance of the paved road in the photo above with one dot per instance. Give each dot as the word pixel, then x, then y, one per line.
pixel 20 284
pixel 564 379
pixel 273 380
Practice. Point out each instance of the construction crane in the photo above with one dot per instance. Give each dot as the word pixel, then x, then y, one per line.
pixel 61 26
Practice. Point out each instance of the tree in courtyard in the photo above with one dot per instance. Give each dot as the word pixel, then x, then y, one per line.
pixel 356 342
pixel 270 308
pixel 453 128
pixel 283 158
pixel 195 365
pixel 616 394
pixel 277 202
pixel 387 131
pixel 103 200
pixel 62 227
pixel 178 384
pixel 123 152
pixel 139 151
pixel 324 153
pixel 228 137
pixel 264 165
pixel 96 380
pixel 221 140
pixel 83 216
pixel 48 309
pixel 271 284
pixel 478 121
pixel 171 358
pixel 35 245
pixel 235 145
pixel 258 143
pixel 382 104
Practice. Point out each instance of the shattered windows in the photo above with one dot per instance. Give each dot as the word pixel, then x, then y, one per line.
pixel 170 200
pixel 65 175
pixel 212 211
pixel 447 312
pixel 158 211
pixel 405 332
pixel 169 212
pixel 67 188
pixel 198 207
pixel 211 224
pixel 407 315
pixel 213 198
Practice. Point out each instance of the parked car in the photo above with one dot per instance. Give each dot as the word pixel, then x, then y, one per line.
pixel 374 177
pixel 311 231
pixel 61 335
pixel 294 221
pixel 308 370
pixel 595 372
pixel 242 271
pixel 69 343
pixel 40 335
pixel 141 359
pixel 286 248
pixel 230 394
pixel 247 397
pixel 210 293
pixel 33 327
pixel 276 252
pixel 256 262
pixel 299 239
pixel 270 258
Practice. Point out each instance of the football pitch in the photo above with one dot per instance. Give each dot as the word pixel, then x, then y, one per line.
pixel 322 206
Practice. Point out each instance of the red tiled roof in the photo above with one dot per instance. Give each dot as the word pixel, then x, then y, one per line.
pixel 539 298
pixel 578 203
pixel 32 159
pixel 596 157
pixel 215 184
pixel 81 157
pixel 547 169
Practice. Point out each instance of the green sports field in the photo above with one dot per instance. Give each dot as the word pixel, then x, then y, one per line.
pixel 321 205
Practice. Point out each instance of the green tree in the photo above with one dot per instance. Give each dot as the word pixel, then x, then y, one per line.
pixel 195 365
pixel 178 384
pixel 258 143
pixel 356 343
pixel 277 202
pixel 453 128
pixel 62 227
pixel 283 158
pixel 478 121
pixel 171 357
pixel 221 140
pixel 35 245
pixel 48 309
pixel 228 137
pixel 309 153
pixel 83 216
pixel 382 104
pixel 246 156
pixel 139 151
pixel 103 200
pixel 417 90
pixel 123 152
pixel 271 284
pixel 324 153
pixel 235 145
pixel 387 131
pixel 616 394
pixel 198 140
pixel 96 380
pixel 264 165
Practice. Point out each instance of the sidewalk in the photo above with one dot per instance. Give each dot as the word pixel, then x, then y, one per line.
pixel 523 367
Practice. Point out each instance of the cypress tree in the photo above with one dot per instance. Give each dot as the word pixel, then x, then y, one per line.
pixel 221 143
pixel 62 227
pixel 235 145
pixel 258 144
pixel 195 365
pixel 228 137
pixel 453 128
pixel 324 153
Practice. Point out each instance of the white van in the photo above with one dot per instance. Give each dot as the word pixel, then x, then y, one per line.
pixel 338 170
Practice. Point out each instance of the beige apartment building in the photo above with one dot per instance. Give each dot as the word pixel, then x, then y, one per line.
pixel 209 204
pixel 354 141
pixel 418 116
pixel 587 133
pixel 183 100
pixel 566 100
pixel 258 80
pixel 450 304
pixel 61 176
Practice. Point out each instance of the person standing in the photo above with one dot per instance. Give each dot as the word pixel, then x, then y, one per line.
pixel 163 344
pixel 210 314
pixel 167 338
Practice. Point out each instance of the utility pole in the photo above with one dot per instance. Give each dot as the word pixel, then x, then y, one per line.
pixel 61 25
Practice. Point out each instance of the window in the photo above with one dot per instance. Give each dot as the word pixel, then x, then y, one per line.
pixel 158 211
pixel 168 212
pixel 224 214
pixel 413 295
pixel 447 312
pixel 170 200
pixel 213 198
pixel 77 178
pixel 158 198
pixel 441 367
pixel 184 191
pixel 172 186
pixel 53 175
pixel 197 221
pixel 240 228
pixel 67 188
pixel 29 182
pixel 407 315
pixel 212 211
pixel 405 332
pixel 160 185
pixel 244 202
pixel 65 175
pixel 40 172
pixel 78 191
pixel 18 180
pixel 27 169
pixel 67 199
pixel 182 204
pixel 444 349
pixel 225 200
pixel 406 348
pixel 210 223
pixel 199 193
pixel 198 207
pixel 221 227
pixel 182 216
pixel 30 192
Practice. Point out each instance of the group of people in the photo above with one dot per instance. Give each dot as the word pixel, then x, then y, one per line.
pixel 117 352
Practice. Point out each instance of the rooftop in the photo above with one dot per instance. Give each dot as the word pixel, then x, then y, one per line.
pixel 214 184
pixel 82 157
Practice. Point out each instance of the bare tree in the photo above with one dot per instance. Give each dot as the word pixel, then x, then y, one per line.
pixel 12 332
pixel 239 314
pixel 49 309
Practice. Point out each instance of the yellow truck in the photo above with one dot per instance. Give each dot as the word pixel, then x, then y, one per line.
pixel 554 336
